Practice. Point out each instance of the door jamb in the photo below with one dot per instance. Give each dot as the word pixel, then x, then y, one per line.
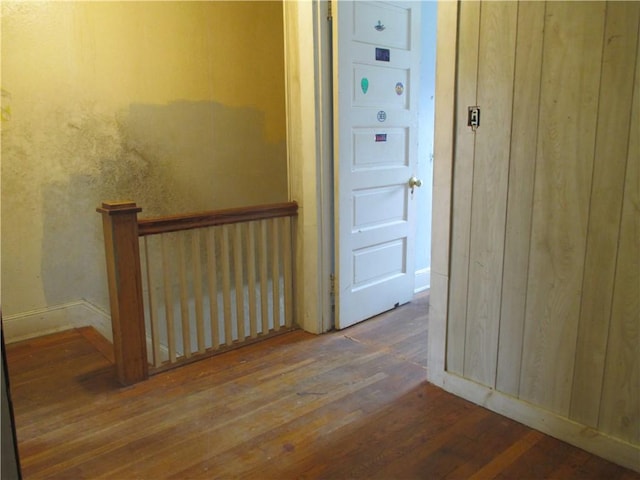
pixel 446 59
pixel 310 157
pixel 324 44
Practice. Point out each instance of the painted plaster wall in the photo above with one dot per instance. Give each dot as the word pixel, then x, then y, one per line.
pixel 176 105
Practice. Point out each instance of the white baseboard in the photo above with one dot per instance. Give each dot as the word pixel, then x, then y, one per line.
pixel 25 325
pixel 423 280
pixel 565 429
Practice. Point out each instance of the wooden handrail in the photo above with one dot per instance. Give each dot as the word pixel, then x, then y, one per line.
pixel 175 223
pixel 122 229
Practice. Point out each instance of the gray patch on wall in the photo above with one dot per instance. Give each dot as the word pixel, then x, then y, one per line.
pixel 185 156
pixel 209 156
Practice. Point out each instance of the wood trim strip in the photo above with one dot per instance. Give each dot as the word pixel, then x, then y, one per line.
pixel 212 275
pixel 287 272
pixel 264 278
pixel 251 278
pixel 226 286
pixel 239 280
pixel 185 319
pixel 174 223
pixel 275 273
pixel 168 298
pixel 153 308
pixel 197 287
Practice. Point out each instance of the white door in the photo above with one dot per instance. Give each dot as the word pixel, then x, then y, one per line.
pixel 376 63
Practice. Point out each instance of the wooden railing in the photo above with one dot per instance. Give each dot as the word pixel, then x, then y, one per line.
pixel 189 286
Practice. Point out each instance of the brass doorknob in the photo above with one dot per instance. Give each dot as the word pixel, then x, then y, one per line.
pixel 415 182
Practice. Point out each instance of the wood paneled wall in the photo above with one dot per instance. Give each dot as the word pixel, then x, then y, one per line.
pixel 545 242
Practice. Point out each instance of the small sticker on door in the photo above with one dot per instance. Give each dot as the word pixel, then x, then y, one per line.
pixel 383 54
pixel 364 85
pixel 381 137
pixel 399 88
pixel 382 116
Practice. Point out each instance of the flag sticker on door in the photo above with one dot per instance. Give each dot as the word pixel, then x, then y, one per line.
pixel 381 137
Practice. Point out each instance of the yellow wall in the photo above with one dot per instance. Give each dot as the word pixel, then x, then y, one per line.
pixel 176 105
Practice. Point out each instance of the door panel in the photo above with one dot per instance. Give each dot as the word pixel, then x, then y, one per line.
pixel 379 207
pixel 378 263
pixel 391 24
pixel 381 148
pixel 382 92
pixel 376 60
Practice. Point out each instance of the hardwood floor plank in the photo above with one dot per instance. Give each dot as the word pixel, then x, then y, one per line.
pixel 351 404
pixel 536 460
pixel 490 439
pixel 98 342
pixel 507 457
pixel 267 404
pixel 570 466
pixel 298 440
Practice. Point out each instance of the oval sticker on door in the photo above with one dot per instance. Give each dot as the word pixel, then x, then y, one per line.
pixel 382 116
pixel 399 88
pixel 364 84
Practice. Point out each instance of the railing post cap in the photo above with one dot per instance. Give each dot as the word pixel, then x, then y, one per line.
pixel 115 207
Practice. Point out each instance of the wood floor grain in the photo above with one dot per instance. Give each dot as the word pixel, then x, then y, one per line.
pixel 351 404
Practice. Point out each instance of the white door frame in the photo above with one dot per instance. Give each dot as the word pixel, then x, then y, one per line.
pixel 309 97
pixel 307 38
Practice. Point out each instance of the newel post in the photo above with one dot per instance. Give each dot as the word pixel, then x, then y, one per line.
pixel 122 252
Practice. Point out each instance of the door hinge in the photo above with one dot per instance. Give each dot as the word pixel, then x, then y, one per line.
pixel 332 284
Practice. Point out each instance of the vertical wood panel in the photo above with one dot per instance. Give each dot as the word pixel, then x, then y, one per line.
pixel 153 307
pixel 239 280
pixel 226 286
pixel 251 278
pixel 288 271
pixel 490 179
pixel 570 82
pixel 197 289
pixel 275 273
pixel 524 132
pixel 570 308
pixel 620 408
pixel 264 278
pixel 168 296
pixel 612 140
pixel 444 132
pixel 462 190
pixel 212 281
pixel 184 298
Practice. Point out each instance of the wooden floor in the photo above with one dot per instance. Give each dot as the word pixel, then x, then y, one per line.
pixel 350 404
